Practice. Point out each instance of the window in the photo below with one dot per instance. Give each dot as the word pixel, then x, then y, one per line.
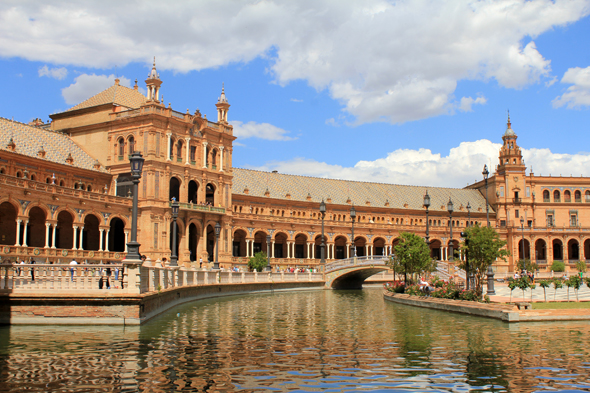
pixel 121 147
pixel 587 195
pixel 193 153
pixel 567 196
pixel 502 223
pixel 530 223
pixel 578 196
pixel 556 196
pixel 516 214
pixel 179 151
pixel 155 236
pixel 528 192
pixel 573 220
pixel 502 191
pixel 131 145
pixel 550 222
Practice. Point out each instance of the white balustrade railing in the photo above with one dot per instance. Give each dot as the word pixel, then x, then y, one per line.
pixel 357 261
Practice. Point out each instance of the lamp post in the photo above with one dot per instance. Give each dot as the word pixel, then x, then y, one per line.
pixel 427 205
pixel 523 256
pixel 485 174
pixel 352 217
pixel 136 160
pixel 323 245
pixel 450 210
pixel 174 257
pixel 268 268
pixel 217 230
pixel 468 207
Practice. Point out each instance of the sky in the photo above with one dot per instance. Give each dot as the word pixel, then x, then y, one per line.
pixel 405 92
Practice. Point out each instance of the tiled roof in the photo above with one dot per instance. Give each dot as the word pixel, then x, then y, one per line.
pixel 57 146
pixel 116 94
pixel 339 191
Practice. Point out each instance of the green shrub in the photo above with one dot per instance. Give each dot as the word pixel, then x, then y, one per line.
pixel 558 266
pixel 469 294
pixel 581 266
pixel 414 290
pixel 258 261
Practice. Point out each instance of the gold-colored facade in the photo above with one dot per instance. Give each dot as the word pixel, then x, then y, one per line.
pixel 66 186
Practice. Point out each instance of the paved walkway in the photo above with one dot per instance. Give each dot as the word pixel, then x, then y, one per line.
pixel 503 294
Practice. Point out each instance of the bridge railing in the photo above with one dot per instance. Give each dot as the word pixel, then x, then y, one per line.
pixel 357 261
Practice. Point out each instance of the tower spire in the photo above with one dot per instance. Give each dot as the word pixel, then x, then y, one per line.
pixel 222 106
pixel 153 83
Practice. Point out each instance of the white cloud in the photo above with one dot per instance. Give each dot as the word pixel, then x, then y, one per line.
pixel 578 95
pixel 296 100
pixel 85 86
pixel 259 130
pixel 462 165
pixel 467 103
pixel 333 45
pixel 56 73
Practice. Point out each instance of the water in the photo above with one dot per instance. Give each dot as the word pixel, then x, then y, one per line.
pixel 332 341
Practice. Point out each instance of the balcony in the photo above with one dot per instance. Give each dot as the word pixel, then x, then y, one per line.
pixel 517 201
pixel 546 200
pixel 203 208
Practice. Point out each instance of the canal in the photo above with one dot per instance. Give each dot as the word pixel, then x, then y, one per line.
pixel 332 341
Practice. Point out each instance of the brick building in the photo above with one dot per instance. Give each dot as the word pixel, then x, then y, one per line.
pixel 66 191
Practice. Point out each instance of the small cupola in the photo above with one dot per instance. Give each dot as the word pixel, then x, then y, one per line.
pixel 153 84
pixel 222 106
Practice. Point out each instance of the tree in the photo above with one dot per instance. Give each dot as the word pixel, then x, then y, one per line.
pixel 545 284
pixel 576 283
pixel 412 255
pixel 483 246
pixel 257 262
pixel 557 284
pixel 527 265
pixel 581 266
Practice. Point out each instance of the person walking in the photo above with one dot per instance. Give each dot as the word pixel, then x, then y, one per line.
pixel 72 269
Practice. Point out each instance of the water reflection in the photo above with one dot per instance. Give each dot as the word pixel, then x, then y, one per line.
pixel 335 341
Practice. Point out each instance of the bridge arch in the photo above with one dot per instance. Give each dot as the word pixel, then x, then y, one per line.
pixel 352 272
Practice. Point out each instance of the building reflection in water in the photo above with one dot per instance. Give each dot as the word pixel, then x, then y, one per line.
pixel 314 340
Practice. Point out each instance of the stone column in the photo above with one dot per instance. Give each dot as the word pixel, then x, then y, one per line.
pixel 347 250
pixel 18 221
pixel 75 245
pixel 81 238
pixel 26 224
pixel 47 226
pixel 247 248
pixel 188 149
pixel 204 154
pixel 169 135
pixel 53 235
pixel 221 158
pixel 272 249
pixel 101 237
pixel 106 243
pixel 126 240
pixel 371 248
pixel 288 249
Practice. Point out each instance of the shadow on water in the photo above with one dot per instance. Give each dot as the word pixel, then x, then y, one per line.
pixel 299 341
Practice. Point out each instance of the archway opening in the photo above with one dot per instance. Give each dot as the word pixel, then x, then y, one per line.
pixel 36 232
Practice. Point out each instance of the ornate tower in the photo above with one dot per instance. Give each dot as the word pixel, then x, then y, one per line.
pixel 510 154
pixel 153 83
pixel 222 107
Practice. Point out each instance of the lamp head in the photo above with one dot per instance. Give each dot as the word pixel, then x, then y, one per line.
pixel 522 221
pixel 450 206
pixel 136 160
pixel 217 228
pixel 268 237
pixel 485 172
pixel 322 207
pixel 352 213
pixel 426 200
pixel 468 207
pixel 175 205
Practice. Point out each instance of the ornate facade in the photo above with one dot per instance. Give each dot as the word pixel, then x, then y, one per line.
pixel 66 187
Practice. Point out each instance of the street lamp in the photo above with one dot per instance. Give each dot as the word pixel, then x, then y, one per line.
pixel 427 205
pixel 352 217
pixel 217 230
pixel 268 268
pixel 323 245
pixel 136 160
pixel 468 207
pixel 450 210
pixel 174 257
pixel 523 256
pixel 485 174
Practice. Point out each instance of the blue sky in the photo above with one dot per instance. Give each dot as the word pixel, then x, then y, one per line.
pixel 407 92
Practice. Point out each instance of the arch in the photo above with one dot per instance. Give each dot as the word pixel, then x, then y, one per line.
pixel 587 249
pixel 546 196
pixel 260 244
pixel 317 243
pixel 557 250
pixel 556 196
pixel 8 214
pixel 193 241
pixel 340 245
pixel 239 243
pixel 301 246
pixel 587 196
pixel 210 243
pixel 36 227
pixel 91 238
pixel 360 246
pixel 435 249
pixel 567 196
pixel 573 250
pixel 577 196
pixel 121 148
pixel 179 150
pixel 527 252
pixel 116 238
pixel 174 189
pixel 193 189
pixel 456 250
pixel 379 246
pixel 210 194
pixel 64 235
pixel 540 251
pixel 280 248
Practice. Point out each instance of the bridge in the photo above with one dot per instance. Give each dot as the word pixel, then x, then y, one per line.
pixel 352 272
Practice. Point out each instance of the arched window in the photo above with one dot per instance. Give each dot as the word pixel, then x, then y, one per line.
pixel 556 196
pixel 131 145
pixel 19 174
pixel 587 196
pixel 179 150
pixel 578 196
pixel 567 196
pixel 121 148
pixel 546 196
